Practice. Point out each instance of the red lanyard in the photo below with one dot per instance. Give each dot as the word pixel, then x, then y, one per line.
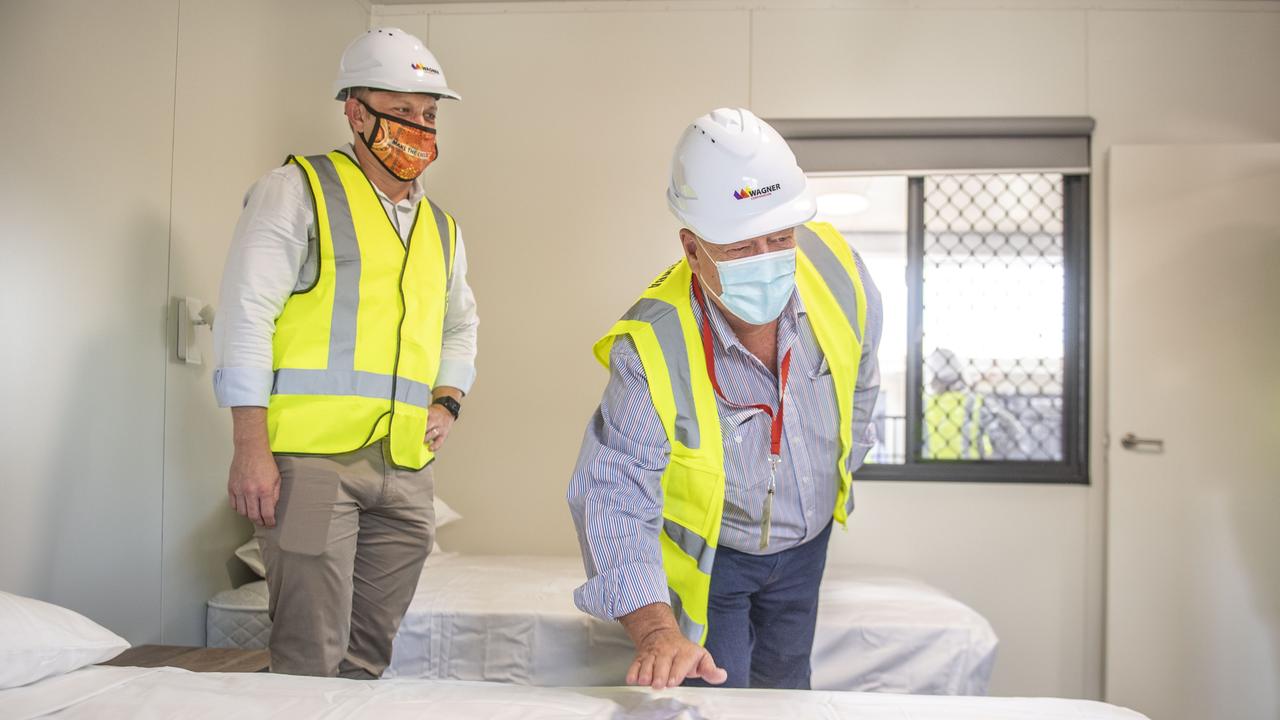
pixel 775 430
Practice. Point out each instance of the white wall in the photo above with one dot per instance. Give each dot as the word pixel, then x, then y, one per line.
pixel 555 165
pixel 131 132
pixel 84 222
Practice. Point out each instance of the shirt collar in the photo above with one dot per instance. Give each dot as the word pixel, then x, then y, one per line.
pixel 416 191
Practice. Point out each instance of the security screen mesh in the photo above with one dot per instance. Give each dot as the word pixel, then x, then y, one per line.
pixel 992 320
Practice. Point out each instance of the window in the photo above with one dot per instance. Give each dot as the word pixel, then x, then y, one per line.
pixel 983 273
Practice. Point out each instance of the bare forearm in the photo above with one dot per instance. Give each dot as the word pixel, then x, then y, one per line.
pixel 249 429
pixel 253 484
pixel 643 622
pixel 446 391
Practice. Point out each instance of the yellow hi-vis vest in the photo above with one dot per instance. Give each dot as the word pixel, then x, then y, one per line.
pixel 669 343
pixel 356 354
pixel 953 427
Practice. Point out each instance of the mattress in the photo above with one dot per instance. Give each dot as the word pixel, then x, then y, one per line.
pixel 238 618
pixel 512 619
pixel 120 693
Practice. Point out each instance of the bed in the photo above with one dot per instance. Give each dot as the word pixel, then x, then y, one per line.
pixel 512 619
pixel 116 693
pixel 48 657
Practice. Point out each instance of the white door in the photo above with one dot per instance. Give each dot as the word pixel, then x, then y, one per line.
pixel 1193 576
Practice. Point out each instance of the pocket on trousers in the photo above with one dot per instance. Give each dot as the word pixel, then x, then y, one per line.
pixel 308 491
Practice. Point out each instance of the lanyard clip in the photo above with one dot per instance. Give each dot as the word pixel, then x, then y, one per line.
pixel 766 520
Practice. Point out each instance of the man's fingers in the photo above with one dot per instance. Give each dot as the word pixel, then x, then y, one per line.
pixel 708 671
pixel 241 505
pixel 685 666
pixel 634 672
pixel 255 513
pixel 646 670
pixel 267 509
pixel 662 671
pixel 435 438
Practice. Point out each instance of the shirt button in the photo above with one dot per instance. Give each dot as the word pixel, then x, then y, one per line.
pixel 737 438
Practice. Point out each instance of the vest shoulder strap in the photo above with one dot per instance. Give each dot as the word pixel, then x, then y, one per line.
pixel 835 263
pixel 446 230
pixel 667 339
pixel 658 304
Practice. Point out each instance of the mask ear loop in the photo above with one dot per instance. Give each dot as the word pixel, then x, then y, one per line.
pixel 377 120
pixel 703 248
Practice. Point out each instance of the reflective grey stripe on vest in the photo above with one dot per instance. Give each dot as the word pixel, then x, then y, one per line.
pixel 293 381
pixel 692 545
pixel 346 254
pixel 442 228
pixel 971 430
pixel 833 274
pixel 665 321
pixel 690 629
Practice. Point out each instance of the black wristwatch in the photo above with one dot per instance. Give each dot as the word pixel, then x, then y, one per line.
pixel 453 406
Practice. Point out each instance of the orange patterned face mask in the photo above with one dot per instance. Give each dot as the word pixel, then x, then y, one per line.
pixel 404 148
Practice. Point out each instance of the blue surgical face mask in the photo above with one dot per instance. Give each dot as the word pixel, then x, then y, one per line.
pixel 756 288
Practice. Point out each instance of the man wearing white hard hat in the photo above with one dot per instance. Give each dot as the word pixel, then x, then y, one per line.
pixel 739 403
pixel 346 338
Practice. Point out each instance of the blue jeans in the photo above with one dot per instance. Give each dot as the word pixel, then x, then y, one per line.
pixel 762 613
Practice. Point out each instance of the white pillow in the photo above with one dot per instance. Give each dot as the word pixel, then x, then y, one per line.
pixel 250 554
pixel 444 513
pixel 39 640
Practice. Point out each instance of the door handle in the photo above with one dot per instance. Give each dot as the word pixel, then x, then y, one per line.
pixel 1133 442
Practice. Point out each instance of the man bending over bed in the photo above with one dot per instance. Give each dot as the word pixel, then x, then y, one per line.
pixel 741 386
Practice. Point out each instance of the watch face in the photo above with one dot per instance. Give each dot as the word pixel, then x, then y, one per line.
pixel 448 403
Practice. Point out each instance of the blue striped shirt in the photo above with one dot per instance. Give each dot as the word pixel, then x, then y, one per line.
pixel 615 495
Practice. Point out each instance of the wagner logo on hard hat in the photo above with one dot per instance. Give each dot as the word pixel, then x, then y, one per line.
pixel 424 68
pixel 747 193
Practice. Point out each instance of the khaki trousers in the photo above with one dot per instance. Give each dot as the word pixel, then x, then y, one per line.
pixel 343 560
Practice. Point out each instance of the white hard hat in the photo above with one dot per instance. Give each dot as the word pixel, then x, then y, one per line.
pixel 390 59
pixel 946 369
pixel 734 178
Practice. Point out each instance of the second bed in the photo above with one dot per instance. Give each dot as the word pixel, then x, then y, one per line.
pixel 512 619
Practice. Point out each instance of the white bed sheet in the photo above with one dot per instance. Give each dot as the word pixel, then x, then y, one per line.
pixel 111 693
pixel 512 619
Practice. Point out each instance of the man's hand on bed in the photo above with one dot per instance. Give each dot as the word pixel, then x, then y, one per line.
pixel 664 657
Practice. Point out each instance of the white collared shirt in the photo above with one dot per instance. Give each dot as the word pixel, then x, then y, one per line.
pixel 268 253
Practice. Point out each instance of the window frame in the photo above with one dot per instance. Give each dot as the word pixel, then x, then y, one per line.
pixel 1074 467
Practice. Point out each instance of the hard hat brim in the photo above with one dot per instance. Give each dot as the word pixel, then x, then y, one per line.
pixel 440 92
pixel 788 215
